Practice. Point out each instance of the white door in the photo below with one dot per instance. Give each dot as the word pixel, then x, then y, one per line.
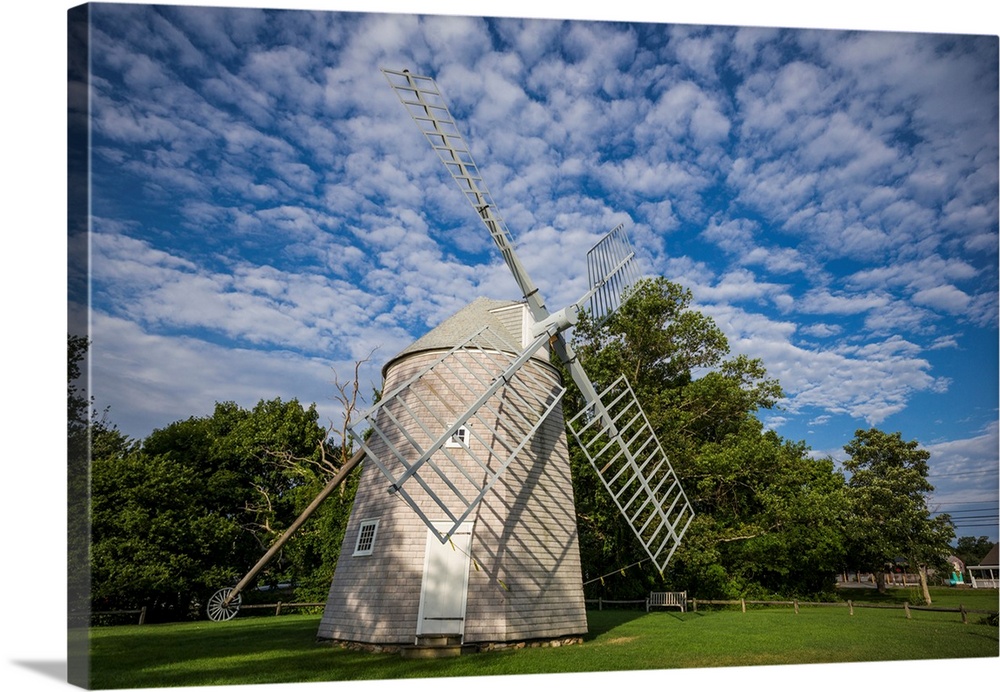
pixel 446 581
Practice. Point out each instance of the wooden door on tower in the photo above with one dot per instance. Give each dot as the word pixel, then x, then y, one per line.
pixel 445 585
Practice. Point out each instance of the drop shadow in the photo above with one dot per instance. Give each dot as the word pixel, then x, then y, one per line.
pixel 56 670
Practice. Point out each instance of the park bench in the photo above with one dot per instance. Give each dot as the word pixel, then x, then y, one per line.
pixel 667 599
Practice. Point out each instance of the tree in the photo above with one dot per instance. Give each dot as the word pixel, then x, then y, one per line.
pixel 156 543
pixel 78 490
pixel 767 514
pixel 197 503
pixel 253 465
pixel 770 518
pixel 971 551
pixel 654 337
pixel 887 491
pixel 78 405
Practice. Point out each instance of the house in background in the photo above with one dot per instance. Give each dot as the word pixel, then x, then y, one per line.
pixel 986 575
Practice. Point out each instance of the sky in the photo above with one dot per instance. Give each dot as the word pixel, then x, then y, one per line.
pixel 829 198
pixel 266 215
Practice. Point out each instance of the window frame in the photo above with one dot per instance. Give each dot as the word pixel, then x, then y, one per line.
pixel 366 536
pixel 460 439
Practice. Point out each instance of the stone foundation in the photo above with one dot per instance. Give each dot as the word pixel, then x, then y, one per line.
pixel 478 647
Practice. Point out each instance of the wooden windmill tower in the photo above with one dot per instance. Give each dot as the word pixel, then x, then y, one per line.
pixel 509 567
pixel 464 521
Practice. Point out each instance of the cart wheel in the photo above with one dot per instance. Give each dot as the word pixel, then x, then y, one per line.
pixel 219 609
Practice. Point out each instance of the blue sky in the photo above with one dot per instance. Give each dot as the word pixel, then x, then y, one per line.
pixel 266 214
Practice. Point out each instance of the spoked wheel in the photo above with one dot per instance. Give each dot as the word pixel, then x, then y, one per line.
pixel 219 609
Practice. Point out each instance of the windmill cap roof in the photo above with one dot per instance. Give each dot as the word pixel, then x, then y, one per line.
pixel 482 312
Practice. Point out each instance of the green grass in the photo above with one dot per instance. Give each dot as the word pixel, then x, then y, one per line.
pixel 283 649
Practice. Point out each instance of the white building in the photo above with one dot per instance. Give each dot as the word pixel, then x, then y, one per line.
pixel 986 575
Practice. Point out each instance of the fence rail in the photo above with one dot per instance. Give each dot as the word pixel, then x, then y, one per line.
pixel 279 606
pixel 850 605
pixel 141 612
pixel 644 603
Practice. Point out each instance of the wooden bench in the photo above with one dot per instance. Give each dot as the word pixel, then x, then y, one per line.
pixel 667 599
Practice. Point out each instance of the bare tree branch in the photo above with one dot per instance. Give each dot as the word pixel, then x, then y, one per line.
pixel 347 394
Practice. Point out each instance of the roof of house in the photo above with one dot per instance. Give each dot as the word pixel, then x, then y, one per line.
pixel 992 559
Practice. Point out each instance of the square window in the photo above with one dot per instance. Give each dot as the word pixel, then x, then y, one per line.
pixel 459 439
pixel 366 537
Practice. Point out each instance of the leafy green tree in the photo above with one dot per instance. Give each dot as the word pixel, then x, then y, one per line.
pixel 78 405
pixel 157 543
pixel 198 503
pixel 77 481
pixel 770 518
pixel 889 519
pixel 971 551
pixel 767 514
pixel 659 342
pixel 308 560
pixel 653 338
pixel 241 459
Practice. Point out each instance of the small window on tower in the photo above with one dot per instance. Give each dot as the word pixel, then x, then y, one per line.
pixel 459 439
pixel 366 537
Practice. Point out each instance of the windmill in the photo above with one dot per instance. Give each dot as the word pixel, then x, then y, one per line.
pixel 463 416
pixel 464 521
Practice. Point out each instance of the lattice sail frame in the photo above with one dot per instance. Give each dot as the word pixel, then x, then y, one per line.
pixel 611 272
pixel 620 444
pixel 426 106
pixel 482 385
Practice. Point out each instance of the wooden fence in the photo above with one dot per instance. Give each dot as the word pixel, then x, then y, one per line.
pixel 795 604
pixel 644 603
pixel 276 607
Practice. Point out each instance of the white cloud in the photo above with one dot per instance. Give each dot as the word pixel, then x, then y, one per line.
pixel 821 330
pixel 246 303
pixel 738 286
pixel 917 274
pixel 151 380
pixel 823 302
pixel 946 298
pixel 737 237
pixel 685 111
pixel 965 469
pixel 869 382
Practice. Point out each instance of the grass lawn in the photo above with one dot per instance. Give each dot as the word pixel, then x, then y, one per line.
pixel 283 649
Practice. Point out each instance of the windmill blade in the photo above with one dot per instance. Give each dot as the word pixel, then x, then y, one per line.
pixel 423 101
pixel 619 443
pixel 481 386
pixel 612 429
pixel 611 272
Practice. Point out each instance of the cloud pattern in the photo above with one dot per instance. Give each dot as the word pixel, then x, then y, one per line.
pixel 264 211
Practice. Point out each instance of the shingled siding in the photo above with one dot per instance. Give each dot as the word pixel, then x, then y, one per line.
pixel 374 598
pixel 529 585
pixel 525 578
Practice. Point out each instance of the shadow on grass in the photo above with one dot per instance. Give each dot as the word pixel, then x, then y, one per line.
pixel 601 622
pixel 895 596
pixel 239 651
